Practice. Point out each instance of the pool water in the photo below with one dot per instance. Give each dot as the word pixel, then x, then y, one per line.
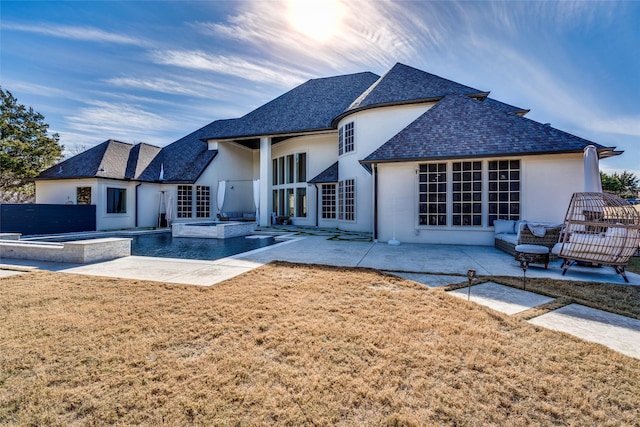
pixel 163 245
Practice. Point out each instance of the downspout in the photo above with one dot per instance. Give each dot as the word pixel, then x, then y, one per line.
pixel 317 202
pixel 375 202
pixel 136 221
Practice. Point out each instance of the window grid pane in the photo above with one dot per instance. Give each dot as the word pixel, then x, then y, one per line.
pixel 467 194
pixel 347 200
pixel 203 201
pixel 184 201
pixel 504 190
pixel 328 201
pixel 432 193
pixel 349 139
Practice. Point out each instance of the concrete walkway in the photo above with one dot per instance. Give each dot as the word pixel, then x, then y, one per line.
pixel 432 265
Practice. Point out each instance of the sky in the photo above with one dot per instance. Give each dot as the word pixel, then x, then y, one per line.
pixel 154 71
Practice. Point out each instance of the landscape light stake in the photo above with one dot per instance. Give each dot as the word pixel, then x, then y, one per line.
pixel 471 274
pixel 524 265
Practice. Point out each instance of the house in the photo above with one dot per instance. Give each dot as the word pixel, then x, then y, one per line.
pixel 408 155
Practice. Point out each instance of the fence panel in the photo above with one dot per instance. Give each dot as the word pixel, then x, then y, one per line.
pixel 31 219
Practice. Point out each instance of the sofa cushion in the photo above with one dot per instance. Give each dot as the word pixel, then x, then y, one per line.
pixel 501 226
pixel 507 237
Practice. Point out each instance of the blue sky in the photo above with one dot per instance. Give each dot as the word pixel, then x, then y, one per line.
pixel 147 71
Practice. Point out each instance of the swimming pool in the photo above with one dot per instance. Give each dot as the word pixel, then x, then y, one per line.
pixel 162 245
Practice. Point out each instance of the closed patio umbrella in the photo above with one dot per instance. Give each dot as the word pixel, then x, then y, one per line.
pixel 592 181
pixel 169 210
pixel 222 187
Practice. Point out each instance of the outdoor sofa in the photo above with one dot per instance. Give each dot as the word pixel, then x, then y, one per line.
pixel 509 234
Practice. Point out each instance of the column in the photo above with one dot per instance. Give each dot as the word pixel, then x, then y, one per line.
pixel 265 180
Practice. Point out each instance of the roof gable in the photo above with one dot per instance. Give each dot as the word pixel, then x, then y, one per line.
pixel 405 84
pixel 106 160
pixel 462 127
pixel 182 161
pixel 308 107
pixel 330 174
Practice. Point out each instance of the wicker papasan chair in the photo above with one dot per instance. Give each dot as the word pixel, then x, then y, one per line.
pixel 600 229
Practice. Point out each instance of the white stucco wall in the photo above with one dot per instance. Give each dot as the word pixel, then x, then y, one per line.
pixel 547 183
pixel 372 128
pixel 322 152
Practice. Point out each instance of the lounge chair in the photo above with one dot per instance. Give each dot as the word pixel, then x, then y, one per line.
pixel 600 229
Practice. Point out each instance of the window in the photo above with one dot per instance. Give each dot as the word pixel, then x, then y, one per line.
pixel 83 195
pixel 290 185
pixel 281 170
pixel 301 202
pixel 290 169
pixel 328 201
pixel 274 172
pixel 467 194
pixel 432 194
pixel 347 199
pixel 504 190
pixel 184 201
pixel 203 201
pixel 291 203
pixel 346 139
pixel 116 200
pixel 301 167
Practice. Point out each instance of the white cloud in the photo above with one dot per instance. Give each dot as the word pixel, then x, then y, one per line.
pixel 77 33
pixel 370 34
pixel 235 66
pixel 624 125
pixel 117 120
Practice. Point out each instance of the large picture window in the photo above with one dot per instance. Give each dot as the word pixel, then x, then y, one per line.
pixel 116 200
pixel 504 190
pixel 347 200
pixel 328 201
pixel 466 193
pixel 185 194
pixel 290 185
pixel 203 201
pixel 452 193
pixel 432 194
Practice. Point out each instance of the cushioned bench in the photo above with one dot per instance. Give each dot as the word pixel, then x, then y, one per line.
pixel 509 234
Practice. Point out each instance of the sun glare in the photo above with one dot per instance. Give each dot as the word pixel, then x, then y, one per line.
pixel 317 19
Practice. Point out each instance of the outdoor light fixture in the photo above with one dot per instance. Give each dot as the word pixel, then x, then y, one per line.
pixel 471 274
pixel 524 264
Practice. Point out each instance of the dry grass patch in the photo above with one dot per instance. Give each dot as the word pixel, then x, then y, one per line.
pixel 291 345
pixel 619 299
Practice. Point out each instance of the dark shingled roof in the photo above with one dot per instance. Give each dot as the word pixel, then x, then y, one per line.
pixel 183 161
pixel 330 174
pixel 505 107
pixel 308 107
pixel 462 127
pixel 404 84
pixel 111 159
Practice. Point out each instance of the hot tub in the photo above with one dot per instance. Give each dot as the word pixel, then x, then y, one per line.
pixel 213 229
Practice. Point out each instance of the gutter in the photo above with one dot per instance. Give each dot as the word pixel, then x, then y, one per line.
pixel 136 221
pixel 375 202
